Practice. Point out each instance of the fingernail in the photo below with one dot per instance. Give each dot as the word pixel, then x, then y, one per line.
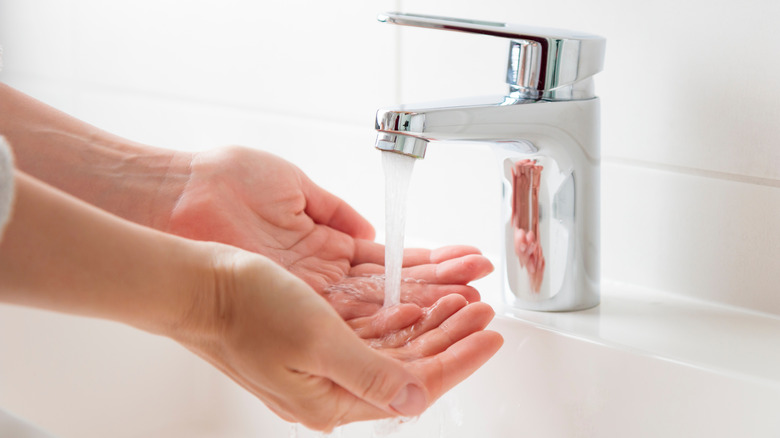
pixel 410 401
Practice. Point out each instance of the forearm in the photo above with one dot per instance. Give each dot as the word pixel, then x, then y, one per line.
pixel 61 254
pixel 137 182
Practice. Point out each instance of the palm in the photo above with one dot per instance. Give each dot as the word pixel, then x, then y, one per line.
pixel 259 202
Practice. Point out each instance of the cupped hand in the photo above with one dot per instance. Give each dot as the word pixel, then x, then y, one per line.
pixel 259 202
pixel 284 343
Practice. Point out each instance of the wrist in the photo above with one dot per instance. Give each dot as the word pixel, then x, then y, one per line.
pixel 134 181
pixel 239 289
pixel 203 315
pixel 99 265
pixel 143 185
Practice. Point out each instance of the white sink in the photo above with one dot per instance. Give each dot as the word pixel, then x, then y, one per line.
pixel 642 364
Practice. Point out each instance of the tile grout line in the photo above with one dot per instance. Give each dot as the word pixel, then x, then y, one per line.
pixel 76 86
pixel 691 171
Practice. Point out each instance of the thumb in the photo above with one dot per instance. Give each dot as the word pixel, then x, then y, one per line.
pixel 327 209
pixel 377 379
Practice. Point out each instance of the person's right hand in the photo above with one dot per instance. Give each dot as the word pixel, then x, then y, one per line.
pixel 272 334
pixel 262 203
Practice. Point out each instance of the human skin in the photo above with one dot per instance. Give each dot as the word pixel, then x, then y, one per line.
pixel 290 226
pixel 262 326
pixel 239 196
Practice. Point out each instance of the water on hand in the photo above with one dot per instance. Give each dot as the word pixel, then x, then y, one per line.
pixel 398 172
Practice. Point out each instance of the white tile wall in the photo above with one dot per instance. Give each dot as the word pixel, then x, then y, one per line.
pixel 711 238
pixel 691 109
pixel 292 57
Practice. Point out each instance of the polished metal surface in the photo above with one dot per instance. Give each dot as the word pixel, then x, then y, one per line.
pixel 543 63
pixel 548 148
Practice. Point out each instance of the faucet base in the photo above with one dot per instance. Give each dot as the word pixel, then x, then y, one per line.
pixel 550 224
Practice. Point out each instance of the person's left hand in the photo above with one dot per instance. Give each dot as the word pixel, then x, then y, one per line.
pixel 259 202
pixel 272 334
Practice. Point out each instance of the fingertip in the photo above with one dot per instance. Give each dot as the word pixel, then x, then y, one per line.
pixel 487 268
pixel 364 230
pixel 453 302
pixel 386 320
pixel 458 362
pixel 351 222
pixel 477 348
pixel 483 309
pixel 470 294
pixel 403 315
pixel 442 309
pixel 450 252
pixel 493 340
pixel 464 269
pixel 328 209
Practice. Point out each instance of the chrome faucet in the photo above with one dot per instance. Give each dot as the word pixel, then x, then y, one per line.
pixel 545 132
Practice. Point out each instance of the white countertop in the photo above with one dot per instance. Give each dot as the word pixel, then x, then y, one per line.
pixel 715 337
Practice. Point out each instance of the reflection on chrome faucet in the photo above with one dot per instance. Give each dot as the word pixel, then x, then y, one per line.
pixel 547 122
pixel 526 175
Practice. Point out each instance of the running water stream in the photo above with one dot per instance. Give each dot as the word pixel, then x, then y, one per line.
pixel 398 171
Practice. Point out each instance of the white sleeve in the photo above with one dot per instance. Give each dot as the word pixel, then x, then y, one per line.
pixel 14 427
pixel 6 184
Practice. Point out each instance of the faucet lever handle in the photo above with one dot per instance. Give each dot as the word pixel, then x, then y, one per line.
pixel 544 63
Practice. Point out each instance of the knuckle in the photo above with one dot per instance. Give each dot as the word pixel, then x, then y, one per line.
pixel 377 387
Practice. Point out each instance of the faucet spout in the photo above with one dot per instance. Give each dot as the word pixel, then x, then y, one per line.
pixel 495 120
pixel 401 144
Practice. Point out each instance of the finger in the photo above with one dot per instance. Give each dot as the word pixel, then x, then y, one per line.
pixel 327 209
pixel 452 252
pixel 467 320
pixel 386 320
pixel 373 252
pixel 420 294
pixel 320 404
pixel 442 372
pixel 371 376
pixel 438 374
pixel 461 270
pixel 421 256
pixel 432 318
pixel 426 295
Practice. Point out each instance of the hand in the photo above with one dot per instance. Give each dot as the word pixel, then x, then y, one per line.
pixel 242 197
pixel 245 314
pixel 264 204
pixel 408 332
pixel 282 342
